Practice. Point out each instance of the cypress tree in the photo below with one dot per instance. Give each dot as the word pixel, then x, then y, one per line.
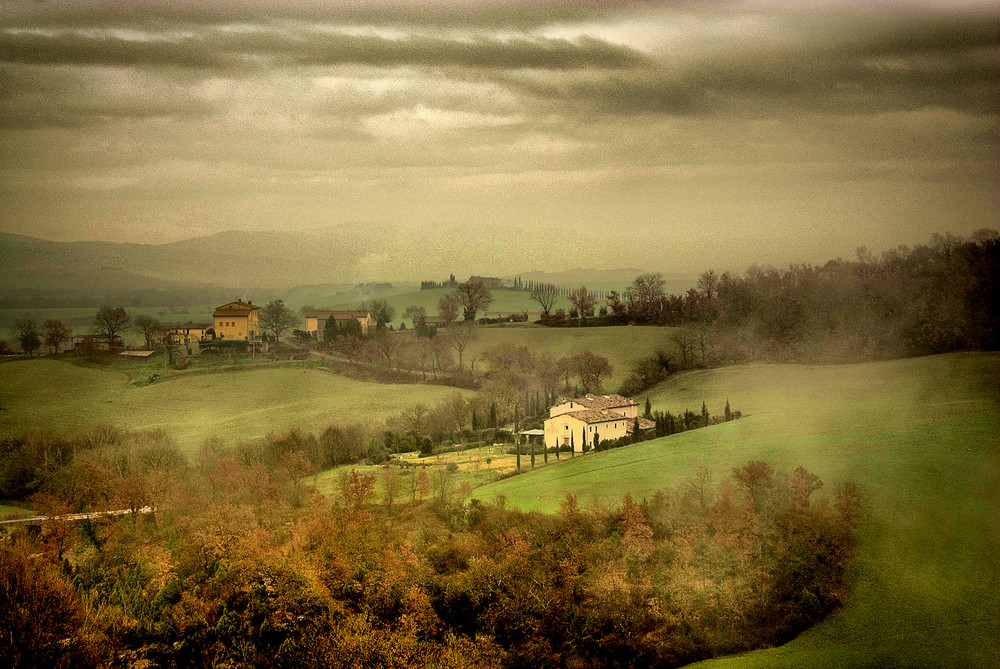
pixel 704 415
pixel 572 446
pixel 635 431
pixel 532 452
pixel 475 421
pixel 648 413
pixel 729 413
pixel 493 414
pixel 517 447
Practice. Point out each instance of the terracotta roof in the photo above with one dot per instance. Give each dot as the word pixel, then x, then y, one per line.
pixel 590 416
pixel 237 308
pixel 591 401
pixel 644 424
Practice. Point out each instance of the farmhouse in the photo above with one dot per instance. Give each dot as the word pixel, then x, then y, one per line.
pixel 90 343
pixel 187 333
pixel 316 320
pixel 488 281
pixel 237 320
pixel 576 421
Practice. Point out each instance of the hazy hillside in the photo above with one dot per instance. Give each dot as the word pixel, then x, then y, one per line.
pixel 281 260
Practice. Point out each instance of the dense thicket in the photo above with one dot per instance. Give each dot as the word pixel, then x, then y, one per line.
pixel 243 565
pixel 934 298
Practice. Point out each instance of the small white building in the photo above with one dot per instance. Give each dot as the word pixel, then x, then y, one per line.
pixel 580 420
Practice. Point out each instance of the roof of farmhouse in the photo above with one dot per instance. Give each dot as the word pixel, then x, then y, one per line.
pixel 237 308
pixel 592 416
pixel 591 401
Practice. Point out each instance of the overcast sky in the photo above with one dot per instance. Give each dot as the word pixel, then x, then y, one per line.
pixel 667 135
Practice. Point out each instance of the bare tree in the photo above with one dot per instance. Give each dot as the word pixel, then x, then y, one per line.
pixel 110 321
pixel 148 327
pixel 56 334
pixel 708 283
pixel 546 297
pixel 646 294
pixel 583 301
pixel 685 342
pixel 459 336
pixel 474 297
pixel 276 318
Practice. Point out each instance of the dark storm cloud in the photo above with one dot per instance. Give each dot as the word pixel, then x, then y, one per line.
pixel 268 48
pixel 31 97
pixel 833 67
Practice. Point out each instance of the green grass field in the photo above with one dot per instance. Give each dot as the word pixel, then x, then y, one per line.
pixel 44 394
pixel 922 436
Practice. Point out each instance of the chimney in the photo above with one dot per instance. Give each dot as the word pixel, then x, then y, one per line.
pixel 249 301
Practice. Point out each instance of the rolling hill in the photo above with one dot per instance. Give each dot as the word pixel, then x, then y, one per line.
pixel 922 436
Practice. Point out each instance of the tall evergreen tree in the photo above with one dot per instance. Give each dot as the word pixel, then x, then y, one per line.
pixel 704 415
pixel 729 413
pixel 648 413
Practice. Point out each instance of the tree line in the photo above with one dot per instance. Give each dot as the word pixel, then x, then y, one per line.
pixel 933 298
pixel 243 564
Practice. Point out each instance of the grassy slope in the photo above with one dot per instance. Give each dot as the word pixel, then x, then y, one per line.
pixel 922 436
pixel 49 394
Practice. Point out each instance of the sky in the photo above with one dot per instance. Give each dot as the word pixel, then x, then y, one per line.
pixel 666 135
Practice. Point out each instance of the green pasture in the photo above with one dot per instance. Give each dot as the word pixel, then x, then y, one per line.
pixel 7 511
pixel 232 404
pixel 922 437
pixel 476 466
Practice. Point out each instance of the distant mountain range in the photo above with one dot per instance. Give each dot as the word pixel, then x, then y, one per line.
pixel 280 260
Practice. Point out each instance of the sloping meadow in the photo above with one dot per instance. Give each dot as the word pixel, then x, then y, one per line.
pixel 920 436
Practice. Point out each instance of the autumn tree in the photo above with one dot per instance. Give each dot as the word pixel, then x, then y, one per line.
pixel 583 301
pixel 26 333
pixel 277 319
pixel 590 368
pixel 546 297
pixel 474 297
pixel 109 321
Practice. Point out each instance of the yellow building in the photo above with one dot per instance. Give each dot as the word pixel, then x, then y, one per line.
pixel 576 422
pixel 316 320
pixel 237 320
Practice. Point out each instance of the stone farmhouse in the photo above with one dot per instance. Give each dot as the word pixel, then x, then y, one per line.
pixel 237 320
pixel 316 320
pixel 189 333
pixel 575 422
